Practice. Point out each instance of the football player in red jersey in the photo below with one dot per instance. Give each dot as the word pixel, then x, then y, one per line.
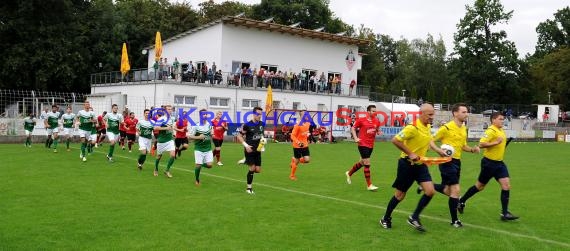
pixel 131 124
pixel 368 127
pixel 220 128
pixel 181 139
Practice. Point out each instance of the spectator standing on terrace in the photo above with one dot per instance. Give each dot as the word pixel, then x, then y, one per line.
pixel 204 73
pixel 352 84
pixel 165 71
pixel 260 75
pixel 176 69
pixel 218 77
pixel 322 82
pixel 214 67
pixel 210 76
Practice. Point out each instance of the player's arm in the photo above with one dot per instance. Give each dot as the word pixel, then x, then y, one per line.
pixel 241 139
pixel 471 149
pixel 353 131
pixel 490 139
pixel 399 139
pixel 436 149
pixel 46 124
pixel 294 135
pixel 195 137
pixel 168 127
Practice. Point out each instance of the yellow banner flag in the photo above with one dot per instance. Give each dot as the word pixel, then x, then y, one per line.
pixel 125 66
pixel 269 100
pixel 157 46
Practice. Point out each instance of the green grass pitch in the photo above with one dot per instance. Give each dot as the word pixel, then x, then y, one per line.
pixel 54 201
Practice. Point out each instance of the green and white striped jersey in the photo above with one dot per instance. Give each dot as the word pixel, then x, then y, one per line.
pixel 113 122
pixel 29 124
pixel 68 120
pixel 205 144
pixel 145 129
pixel 52 119
pixel 86 120
pixel 166 135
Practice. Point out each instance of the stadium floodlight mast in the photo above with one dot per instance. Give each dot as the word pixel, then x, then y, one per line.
pixel 549 97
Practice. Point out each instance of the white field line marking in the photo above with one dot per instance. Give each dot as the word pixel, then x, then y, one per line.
pixel 564 244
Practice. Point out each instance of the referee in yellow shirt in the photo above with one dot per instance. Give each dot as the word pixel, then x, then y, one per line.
pixel 492 166
pixel 413 141
pixel 454 133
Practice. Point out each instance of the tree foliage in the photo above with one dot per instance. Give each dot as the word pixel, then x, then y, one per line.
pixel 487 63
pixel 552 74
pixel 554 33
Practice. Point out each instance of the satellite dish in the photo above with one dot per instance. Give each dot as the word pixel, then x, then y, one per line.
pixel 144 51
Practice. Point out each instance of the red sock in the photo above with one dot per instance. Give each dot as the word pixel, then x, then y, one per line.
pixel 367 174
pixel 302 160
pixel 354 168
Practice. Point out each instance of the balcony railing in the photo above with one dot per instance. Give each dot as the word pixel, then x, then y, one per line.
pixel 228 79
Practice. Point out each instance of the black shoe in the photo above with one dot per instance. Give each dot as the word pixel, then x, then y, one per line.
pixel 460 207
pixel 416 224
pixel 508 216
pixel 456 224
pixel 386 223
pixel 419 190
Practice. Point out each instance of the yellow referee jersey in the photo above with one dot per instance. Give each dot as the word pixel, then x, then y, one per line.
pixel 454 136
pixel 416 138
pixel 496 152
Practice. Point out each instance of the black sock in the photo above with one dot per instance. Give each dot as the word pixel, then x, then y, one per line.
pixel 250 177
pixel 453 202
pixel 439 187
pixel 472 191
pixel 391 206
pixel 505 194
pixel 424 201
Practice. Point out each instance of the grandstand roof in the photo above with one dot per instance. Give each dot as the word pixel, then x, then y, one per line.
pixel 270 26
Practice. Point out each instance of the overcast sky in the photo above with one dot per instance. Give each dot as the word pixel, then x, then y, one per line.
pixel 416 18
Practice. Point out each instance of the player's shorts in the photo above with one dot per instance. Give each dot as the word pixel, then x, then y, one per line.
pixel 112 136
pixel 492 169
pixel 203 157
pixel 67 131
pixel 450 172
pixel 102 131
pixel 84 134
pixel 93 137
pixel 145 143
pixel 365 152
pixel 165 147
pixel 301 152
pixel 27 133
pixel 180 141
pixel 252 158
pixel 123 134
pixel 51 131
pixel 218 142
pixel 408 173
pixel 131 137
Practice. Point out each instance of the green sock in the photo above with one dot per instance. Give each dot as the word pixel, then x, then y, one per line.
pixel 111 150
pixel 142 158
pixel 67 143
pixel 55 141
pixel 197 173
pixel 83 145
pixel 156 164
pixel 170 161
pixel 47 141
pixel 28 141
